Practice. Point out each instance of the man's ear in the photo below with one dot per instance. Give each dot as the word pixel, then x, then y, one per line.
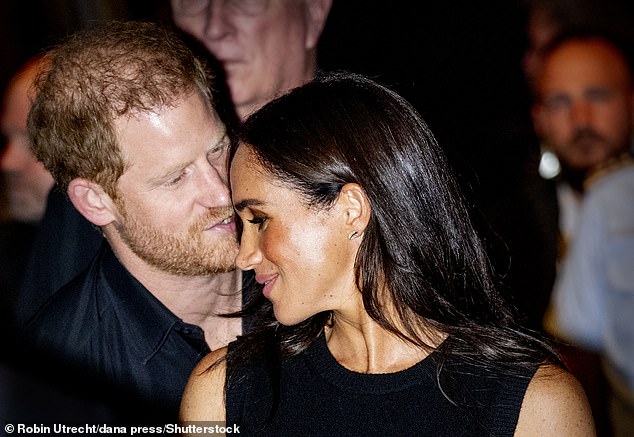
pixel 356 208
pixel 92 201
pixel 317 11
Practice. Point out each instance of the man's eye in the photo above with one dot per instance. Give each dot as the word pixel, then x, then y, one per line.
pixel 599 95
pixel 557 103
pixel 176 180
pixel 220 151
pixel 190 7
pixel 214 155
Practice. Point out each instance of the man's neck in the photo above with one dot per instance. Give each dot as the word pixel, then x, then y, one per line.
pixel 574 178
pixel 625 159
pixel 197 300
pixel 202 301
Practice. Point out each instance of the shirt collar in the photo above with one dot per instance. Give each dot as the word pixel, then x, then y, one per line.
pixel 150 322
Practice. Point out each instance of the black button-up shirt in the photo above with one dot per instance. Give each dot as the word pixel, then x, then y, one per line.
pixel 111 336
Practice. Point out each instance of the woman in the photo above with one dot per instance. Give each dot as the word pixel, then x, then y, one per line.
pixel 378 313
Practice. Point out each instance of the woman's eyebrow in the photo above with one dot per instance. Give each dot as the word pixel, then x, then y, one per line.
pixel 246 203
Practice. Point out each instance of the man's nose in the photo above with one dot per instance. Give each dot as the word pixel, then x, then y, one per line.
pixel 214 189
pixel 581 114
pixel 13 158
pixel 218 21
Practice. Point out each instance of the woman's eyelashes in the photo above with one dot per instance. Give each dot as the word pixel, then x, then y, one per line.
pixel 258 220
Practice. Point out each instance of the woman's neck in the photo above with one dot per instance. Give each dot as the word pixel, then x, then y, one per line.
pixel 360 344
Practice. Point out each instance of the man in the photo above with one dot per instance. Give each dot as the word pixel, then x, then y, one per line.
pixel 547 198
pixel 266 47
pixel 125 122
pixel 26 184
pixel 585 116
pixel 583 112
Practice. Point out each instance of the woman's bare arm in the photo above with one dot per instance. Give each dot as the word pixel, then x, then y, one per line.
pixel 204 397
pixel 555 405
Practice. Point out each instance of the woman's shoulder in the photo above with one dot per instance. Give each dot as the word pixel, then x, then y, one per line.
pixel 554 404
pixel 204 397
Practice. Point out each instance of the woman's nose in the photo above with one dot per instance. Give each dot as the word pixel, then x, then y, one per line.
pixel 249 255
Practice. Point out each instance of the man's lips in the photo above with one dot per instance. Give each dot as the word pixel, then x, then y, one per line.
pixel 226 225
pixel 231 64
pixel 228 57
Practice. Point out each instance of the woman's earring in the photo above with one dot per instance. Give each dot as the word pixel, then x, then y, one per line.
pixel 353 235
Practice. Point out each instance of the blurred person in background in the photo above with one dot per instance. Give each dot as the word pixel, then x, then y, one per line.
pixel 547 19
pixel 552 189
pixel 266 47
pixel 584 113
pixel 23 396
pixel 26 182
pixel 548 194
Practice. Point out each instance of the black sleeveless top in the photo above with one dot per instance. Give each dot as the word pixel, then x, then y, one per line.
pixel 319 397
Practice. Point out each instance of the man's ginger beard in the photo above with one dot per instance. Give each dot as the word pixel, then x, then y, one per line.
pixel 188 254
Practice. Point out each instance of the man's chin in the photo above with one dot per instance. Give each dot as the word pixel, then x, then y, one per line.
pixel 198 269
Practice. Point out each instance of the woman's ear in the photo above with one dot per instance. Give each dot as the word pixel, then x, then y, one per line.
pixel 356 208
pixel 92 201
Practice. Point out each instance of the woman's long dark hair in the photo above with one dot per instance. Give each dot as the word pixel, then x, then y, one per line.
pixel 420 248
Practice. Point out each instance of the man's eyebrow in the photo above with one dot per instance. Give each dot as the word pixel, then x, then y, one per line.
pixel 177 168
pixel 246 203
pixel 221 142
pixel 167 174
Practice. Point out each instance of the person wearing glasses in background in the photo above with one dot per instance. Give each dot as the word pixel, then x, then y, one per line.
pixel 266 47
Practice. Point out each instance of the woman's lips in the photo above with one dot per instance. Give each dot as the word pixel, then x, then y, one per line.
pixel 268 281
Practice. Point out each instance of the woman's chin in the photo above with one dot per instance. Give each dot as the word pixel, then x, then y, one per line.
pixel 288 319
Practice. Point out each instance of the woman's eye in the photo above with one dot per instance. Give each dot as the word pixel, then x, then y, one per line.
pixel 258 220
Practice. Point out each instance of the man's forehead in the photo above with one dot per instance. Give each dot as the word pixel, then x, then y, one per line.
pixel 583 72
pixel 590 54
pixel 170 130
